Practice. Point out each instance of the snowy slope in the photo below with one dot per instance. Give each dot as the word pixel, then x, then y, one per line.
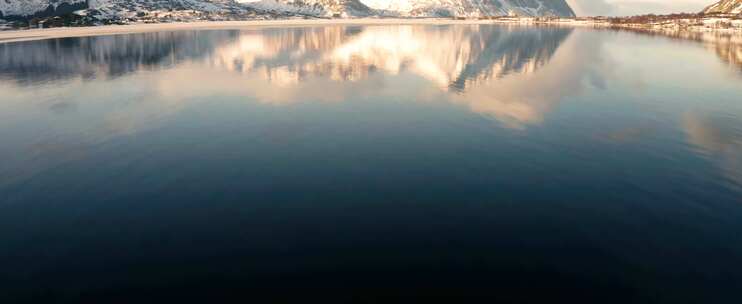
pixel 112 9
pixel 725 7
pixel 419 8
pixel 474 8
pixel 200 5
pixel 324 8
pixel 38 8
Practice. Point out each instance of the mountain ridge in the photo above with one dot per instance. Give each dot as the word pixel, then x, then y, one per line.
pixel 419 8
pixel 474 8
pixel 319 8
pixel 26 9
pixel 133 10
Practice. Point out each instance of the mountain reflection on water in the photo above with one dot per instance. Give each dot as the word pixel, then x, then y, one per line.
pixel 342 53
pixel 471 66
pixel 726 45
pixel 512 73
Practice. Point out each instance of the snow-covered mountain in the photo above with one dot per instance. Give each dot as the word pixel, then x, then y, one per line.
pixel 38 8
pixel 473 8
pixel 130 9
pixel 418 8
pixel 322 8
pixel 27 9
pixel 725 7
pixel 123 8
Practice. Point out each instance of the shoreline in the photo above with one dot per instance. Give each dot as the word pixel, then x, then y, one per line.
pixel 66 32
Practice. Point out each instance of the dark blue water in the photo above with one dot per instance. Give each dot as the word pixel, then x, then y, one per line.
pixel 364 164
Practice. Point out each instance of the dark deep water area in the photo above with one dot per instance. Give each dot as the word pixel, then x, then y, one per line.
pixel 376 163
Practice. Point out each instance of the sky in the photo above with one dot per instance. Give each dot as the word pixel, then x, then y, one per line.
pixel 636 7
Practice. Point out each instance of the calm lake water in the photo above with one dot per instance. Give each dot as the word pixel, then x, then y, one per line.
pixel 359 162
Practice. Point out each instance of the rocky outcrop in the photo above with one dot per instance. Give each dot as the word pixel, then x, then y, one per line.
pixel 29 9
pixel 725 7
